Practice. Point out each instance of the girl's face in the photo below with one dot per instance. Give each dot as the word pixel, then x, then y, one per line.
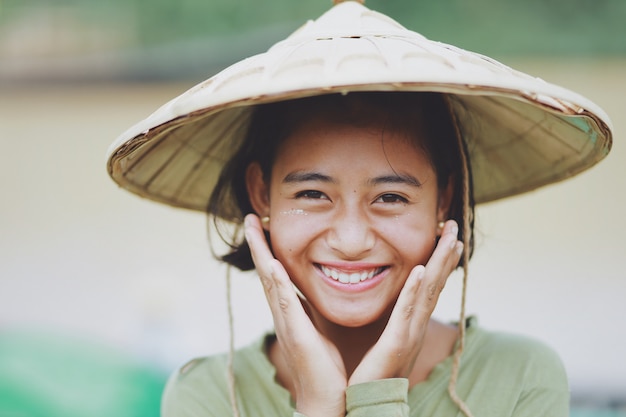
pixel 353 210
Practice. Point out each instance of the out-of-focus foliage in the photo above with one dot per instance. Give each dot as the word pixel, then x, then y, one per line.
pixel 90 40
pixel 49 375
pixel 489 26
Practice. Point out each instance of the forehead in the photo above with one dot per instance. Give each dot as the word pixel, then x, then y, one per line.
pixel 421 117
pixel 368 147
pixel 317 129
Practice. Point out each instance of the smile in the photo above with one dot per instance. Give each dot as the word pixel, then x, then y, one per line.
pixel 350 277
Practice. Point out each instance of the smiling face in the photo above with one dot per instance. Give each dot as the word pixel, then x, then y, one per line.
pixel 353 209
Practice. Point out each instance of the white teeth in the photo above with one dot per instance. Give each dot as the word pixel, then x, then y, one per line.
pixel 348 278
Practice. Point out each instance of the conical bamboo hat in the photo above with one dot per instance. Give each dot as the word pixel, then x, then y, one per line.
pixel 521 132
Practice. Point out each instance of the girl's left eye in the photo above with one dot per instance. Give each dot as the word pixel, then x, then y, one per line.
pixel 392 198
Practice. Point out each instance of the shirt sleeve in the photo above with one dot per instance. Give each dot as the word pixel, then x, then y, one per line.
pixel 191 392
pixel 545 390
pixel 382 398
pixel 549 396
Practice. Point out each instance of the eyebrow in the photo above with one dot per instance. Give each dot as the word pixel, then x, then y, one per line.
pixel 304 176
pixel 396 179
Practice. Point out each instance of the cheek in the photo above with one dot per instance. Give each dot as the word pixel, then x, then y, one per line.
pixel 291 232
pixel 414 238
pixel 292 238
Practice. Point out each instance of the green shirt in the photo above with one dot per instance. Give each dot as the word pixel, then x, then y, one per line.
pixel 501 375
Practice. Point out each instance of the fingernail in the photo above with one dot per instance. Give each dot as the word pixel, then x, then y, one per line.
pixel 455 230
pixel 420 271
pixel 459 248
pixel 246 230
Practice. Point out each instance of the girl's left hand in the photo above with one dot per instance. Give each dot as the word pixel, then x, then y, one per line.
pixel 395 352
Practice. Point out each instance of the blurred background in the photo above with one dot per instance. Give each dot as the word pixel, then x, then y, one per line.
pixel 103 294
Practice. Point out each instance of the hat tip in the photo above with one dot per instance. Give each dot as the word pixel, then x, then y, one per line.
pixel 342 1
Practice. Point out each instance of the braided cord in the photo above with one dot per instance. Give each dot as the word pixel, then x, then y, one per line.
pixel 231 345
pixel 458 352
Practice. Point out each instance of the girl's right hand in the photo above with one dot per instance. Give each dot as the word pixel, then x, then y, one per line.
pixel 316 369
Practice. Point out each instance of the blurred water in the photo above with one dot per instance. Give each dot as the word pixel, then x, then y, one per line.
pixel 595 412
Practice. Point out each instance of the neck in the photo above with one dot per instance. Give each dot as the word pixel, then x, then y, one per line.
pixel 354 342
pixel 351 342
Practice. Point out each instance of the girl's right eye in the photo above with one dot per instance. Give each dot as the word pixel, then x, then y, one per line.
pixel 311 194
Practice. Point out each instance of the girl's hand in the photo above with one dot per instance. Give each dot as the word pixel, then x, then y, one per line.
pixel 317 371
pixel 394 355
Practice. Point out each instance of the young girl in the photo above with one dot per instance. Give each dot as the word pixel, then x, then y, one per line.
pixel 356 185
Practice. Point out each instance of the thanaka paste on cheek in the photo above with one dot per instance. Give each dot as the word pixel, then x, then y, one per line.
pixel 294 212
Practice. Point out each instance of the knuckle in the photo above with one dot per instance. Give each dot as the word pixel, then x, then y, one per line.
pixel 283 304
pixel 408 311
pixel 267 282
pixel 432 291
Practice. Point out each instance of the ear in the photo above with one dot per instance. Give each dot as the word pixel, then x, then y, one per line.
pixel 445 199
pixel 258 191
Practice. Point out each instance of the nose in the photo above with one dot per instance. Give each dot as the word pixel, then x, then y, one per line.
pixel 350 233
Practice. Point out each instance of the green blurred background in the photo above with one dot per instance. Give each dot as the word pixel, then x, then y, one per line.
pixel 72 70
pixel 146 39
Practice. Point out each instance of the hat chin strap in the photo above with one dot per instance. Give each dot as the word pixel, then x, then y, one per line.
pixel 458 352
pixel 232 391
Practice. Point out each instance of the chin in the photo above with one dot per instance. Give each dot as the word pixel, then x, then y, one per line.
pixel 355 321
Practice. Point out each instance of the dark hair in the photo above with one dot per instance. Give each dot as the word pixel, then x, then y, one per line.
pixel 416 114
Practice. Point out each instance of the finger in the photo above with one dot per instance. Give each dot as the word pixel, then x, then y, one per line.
pixel 443 261
pixel 403 313
pixel 283 300
pixel 405 305
pixel 263 258
pixel 402 320
pixel 270 270
pixel 259 249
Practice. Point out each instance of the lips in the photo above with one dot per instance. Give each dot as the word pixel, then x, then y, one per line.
pixel 350 277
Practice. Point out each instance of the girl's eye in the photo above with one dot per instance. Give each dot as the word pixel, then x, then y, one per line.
pixel 392 198
pixel 312 194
